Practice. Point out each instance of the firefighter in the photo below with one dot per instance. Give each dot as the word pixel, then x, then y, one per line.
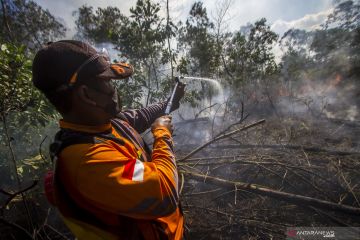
pixel 107 183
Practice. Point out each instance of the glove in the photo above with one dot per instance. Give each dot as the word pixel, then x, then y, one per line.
pixel 179 94
pixel 164 121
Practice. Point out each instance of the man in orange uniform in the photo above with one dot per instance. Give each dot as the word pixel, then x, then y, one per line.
pixel 107 184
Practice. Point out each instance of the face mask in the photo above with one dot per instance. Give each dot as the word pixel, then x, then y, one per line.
pixel 113 107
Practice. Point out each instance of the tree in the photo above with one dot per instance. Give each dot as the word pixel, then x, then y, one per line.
pixel 28 24
pixel 103 26
pixel 329 56
pixel 222 35
pixel 346 15
pixel 332 50
pixel 250 56
pixel 338 43
pixel 199 52
pixel 18 94
pixel 140 39
pixel 22 107
pixel 198 43
pixel 145 45
pixel 22 110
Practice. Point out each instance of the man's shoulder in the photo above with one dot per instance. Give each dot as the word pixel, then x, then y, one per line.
pixel 120 117
pixel 77 144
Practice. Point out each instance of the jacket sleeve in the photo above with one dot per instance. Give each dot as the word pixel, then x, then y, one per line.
pixel 141 119
pixel 117 182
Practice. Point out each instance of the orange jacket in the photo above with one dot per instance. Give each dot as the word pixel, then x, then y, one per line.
pixel 118 188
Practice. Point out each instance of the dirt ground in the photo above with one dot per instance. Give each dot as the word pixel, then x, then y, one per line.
pixel 317 158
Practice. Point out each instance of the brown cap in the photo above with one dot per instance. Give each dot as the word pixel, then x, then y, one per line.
pixel 61 64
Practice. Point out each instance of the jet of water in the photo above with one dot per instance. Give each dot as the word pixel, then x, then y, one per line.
pixel 212 81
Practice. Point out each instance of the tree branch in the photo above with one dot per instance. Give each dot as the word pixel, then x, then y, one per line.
pixel 283 196
pixel 6 23
pixel 221 137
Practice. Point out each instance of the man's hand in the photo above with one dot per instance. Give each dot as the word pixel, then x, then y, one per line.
pixel 164 121
pixel 179 94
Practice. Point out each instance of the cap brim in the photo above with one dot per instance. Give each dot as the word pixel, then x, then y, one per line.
pixel 117 71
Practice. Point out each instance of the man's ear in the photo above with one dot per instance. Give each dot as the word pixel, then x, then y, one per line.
pixel 84 93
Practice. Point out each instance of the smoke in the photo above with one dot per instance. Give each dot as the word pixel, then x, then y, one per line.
pixel 334 96
pixel 308 22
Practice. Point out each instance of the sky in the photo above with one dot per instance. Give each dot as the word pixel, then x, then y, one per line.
pixel 281 14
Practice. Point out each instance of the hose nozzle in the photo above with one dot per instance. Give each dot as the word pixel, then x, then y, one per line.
pixel 170 103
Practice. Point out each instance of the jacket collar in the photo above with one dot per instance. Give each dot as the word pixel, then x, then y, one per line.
pixel 85 128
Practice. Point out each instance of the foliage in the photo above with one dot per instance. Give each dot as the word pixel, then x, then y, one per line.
pixel 23 113
pixel 333 49
pixel 198 42
pixel 250 56
pixel 139 39
pixel 102 26
pixel 201 57
pixel 29 24
pixel 244 61
pixel 346 15
pixel 18 94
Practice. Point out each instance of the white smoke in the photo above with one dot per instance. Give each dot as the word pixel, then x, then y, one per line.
pixel 309 22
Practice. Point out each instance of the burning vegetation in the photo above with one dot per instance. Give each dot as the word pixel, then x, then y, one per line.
pixel 262 144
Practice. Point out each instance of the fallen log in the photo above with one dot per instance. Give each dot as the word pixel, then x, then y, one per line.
pixel 221 137
pixel 284 196
pixel 343 121
pixel 195 120
pixel 293 147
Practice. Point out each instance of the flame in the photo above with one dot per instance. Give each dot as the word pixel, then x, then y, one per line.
pixel 310 87
pixel 283 92
pixel 337 80
pixel 252 96
pixel 305 89
pixel 334 82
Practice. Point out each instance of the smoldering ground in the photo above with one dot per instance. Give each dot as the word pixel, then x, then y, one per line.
pixel 309 146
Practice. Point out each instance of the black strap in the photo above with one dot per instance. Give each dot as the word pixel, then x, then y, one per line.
pixel 65 138
pixel 127 133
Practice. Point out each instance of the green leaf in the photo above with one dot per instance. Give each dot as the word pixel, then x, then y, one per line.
pixel 3 47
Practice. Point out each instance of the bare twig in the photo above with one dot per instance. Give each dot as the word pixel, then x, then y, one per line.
pixel 332 218
pixel 13 195
pixel 289 197
pixel 232 125
pixel 241 218
pixel 8 141
pixel 294 147
pixel 202 110
pixel 57 232
pixel 350 188
pixel 281 177
pixel 201 193
pixel 18 227
pixel 221 137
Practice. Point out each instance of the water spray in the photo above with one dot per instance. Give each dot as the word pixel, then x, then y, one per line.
pixel 170 103
pixel 210 80
pixel 178 83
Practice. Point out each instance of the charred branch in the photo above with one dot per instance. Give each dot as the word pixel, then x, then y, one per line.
pixel 283 196
pixel 292 147
pixel 221 137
